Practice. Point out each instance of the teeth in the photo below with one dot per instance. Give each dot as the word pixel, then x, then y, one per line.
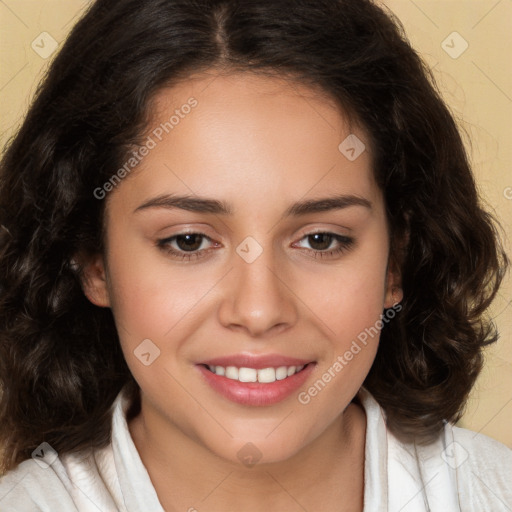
pixel 281 373
pixel 232 372
pixel 247 375
pixel 265 375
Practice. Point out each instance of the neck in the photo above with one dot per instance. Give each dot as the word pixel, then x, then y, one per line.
pixel 327 474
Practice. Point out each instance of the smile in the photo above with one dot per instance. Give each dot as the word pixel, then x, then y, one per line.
pixel 256 380
pixel 263 375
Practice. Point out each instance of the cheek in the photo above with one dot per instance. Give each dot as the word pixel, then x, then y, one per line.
pixel 149 294
pixel 350 310
pixel 350 297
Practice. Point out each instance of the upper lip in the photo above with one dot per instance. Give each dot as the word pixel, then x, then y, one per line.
pixel 257 362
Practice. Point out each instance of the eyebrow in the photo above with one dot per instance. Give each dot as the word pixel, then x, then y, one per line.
pixel 213 206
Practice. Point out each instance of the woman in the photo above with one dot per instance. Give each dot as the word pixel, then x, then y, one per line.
pixel 249 271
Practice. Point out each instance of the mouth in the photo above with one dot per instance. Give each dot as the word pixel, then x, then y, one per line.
pixel 263 375
pixel 256 381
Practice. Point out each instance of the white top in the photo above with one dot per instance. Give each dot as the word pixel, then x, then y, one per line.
pixel 461 471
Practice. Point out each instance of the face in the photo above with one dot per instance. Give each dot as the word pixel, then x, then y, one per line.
pixel 235 301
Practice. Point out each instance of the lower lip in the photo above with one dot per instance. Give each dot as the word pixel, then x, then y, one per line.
pixel 256 393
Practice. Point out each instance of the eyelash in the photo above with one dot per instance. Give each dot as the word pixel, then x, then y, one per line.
pixel 345 244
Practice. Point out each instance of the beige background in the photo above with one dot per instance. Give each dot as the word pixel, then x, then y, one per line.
pixel 476 82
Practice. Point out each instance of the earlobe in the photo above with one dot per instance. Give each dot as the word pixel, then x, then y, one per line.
pixel 394 295
pixel 394 292
pixel 93 278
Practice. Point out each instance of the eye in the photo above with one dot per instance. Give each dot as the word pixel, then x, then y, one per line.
pixel 185 246
pixel 188 246
pixel 322 241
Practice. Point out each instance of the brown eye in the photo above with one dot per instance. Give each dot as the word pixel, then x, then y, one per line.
pixel 185 246
pixel 320 241
pixel 321 244
pixel 189 242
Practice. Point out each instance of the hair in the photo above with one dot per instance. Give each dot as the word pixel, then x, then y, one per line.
pixel 61 365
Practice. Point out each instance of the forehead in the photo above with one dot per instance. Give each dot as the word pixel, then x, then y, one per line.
pixel 253 100
pixel 249 137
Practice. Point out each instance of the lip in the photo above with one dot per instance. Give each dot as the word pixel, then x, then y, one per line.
pixel 256 394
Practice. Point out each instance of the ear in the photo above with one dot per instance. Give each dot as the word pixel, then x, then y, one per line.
pixel 394 292
pixel 93 278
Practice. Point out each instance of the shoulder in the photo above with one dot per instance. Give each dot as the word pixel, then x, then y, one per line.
pixel 459 470
pixel 31 486
pixel 484 468
pixel 478 450
pixel 82 481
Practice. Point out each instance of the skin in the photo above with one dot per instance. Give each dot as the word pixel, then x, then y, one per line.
pixel 260 144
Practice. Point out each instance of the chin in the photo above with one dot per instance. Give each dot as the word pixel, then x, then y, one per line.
pixel 259 451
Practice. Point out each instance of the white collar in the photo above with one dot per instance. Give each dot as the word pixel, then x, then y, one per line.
pixel 397 476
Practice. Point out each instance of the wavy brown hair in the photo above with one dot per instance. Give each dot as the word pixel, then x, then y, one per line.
pixel 61 365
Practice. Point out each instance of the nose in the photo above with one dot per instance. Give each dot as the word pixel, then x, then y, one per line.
pixel 256 297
